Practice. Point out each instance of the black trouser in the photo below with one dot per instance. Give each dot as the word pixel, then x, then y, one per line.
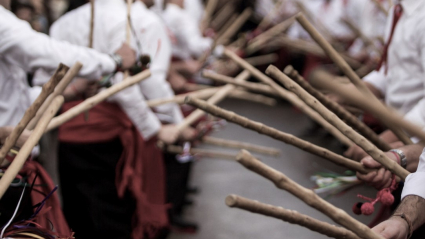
pixel 91 203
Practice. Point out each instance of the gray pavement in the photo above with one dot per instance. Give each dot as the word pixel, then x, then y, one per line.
pixel 218 178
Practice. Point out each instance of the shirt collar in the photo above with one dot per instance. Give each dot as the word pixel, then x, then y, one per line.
pixel 410 6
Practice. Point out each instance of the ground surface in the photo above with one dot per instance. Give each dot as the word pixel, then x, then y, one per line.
pixel 219 178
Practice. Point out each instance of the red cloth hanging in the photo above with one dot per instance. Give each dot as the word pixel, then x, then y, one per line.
pixel 140 170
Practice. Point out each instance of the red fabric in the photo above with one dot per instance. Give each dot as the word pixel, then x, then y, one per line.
pixel 140 169
pixel 398 11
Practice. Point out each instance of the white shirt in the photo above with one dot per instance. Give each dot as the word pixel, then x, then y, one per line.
pixel 187 38
pixel 195 8
pixel 414 183
pixel 24 50
pixel 403 85
pixel 327 15
pixel 109 34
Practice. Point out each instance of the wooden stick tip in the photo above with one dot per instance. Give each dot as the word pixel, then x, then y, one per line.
pixel 299 15
pixel 288 70
pixel 243 154
pixel 231 200
pixel 271 69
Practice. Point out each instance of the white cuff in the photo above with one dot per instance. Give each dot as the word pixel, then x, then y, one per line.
pixel 378 80
pixel 414 185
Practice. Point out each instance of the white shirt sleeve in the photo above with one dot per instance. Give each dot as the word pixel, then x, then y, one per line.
pixel 30 50
pixel 413 184
pixel 156 44
pixel 378 80
pixel 133 103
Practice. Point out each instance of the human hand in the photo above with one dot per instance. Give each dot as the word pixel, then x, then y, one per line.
pixel 380 178
pixel 393 228
pixel 128 56
pixel 7 130
pixel 168 134
pixel 188 134
pixel 355 152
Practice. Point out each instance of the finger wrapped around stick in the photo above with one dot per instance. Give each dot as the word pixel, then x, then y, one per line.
pixel 382 113
pixel 32 141
pixel 47 89
pixel 290 216
pixel 289 96
pixel 367 146
pixel 69 76
pixel 241 145
pixel 276 134
pixel 307 195
pixel 96 99
pixel 338 110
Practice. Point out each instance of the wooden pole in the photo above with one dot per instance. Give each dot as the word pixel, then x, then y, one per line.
pixel 234 28
pixel 267 20
pixel 256 87
pixel 179 99
pixel 258 42
pixel 380 7
pixel 26 149
pixel 281 181
pixel 367 146
pixel 251 97
pixel 86 113
pixel 307 47
pixel 263 59
pixel 354 78
pixel 209 11
pixel 202 152
pixel 290 216
pixel 278 135
pixel 47 89
pixel 241 145
pixel 289 96
pixel 338 110
pixel 217 97
pixel 69 76
pixel 128 31
pixel 222 16
pixel 96 99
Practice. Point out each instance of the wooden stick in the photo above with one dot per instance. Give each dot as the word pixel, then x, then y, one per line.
pixel 289 96
pixel 263 59
pixel 96 99
pixel 226 26
pixel 367 146
pixel 32 110
pixel 267 20
pixel 244 95
pixel 380 7
pixel 290 216
pixel 203 152
pixel 69 76
pixel 209 11
pixel 240 145
pixel 234 28
pixel 276 134
pixel 222 16
pixel 258 42
pixel 128 31
pixel 316 21
pixel 338 110
pixel 179 99
pixel 26 149
pixel 91 24
pixel 217 97
pixel 307 47
pixel 281 181
pixel 345 68
pixel 261 88
pixel 360 34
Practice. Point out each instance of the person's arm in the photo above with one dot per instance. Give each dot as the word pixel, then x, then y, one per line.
pixel 7 130
pixel 30 50
pixel 408 217
pixel 156 44
pixel 381 178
